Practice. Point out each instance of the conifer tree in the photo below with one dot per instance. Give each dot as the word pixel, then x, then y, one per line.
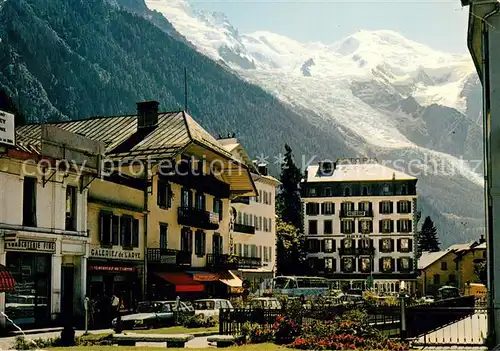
pixel 289 206
pixel 428 238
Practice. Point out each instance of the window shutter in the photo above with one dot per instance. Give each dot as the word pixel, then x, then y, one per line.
pixel 380 245
pixel 411 264
pixel 391 207
pixel 158 192
pixel 371 243
pixel 101 227
pixel 204 243
pixel 380 226
pixel 135 232
pixel 323 246
pixel 169 195
pixel 115 230
pixel 399 265
pixel 370 207
pixel 409 226
pixel 392 245
pixel 359 226
pixel 380 207
pixel 323 208
pixel 334 245
pixel 392 264
pixel 371 226
pixel 360 242
pixel 399 206
pixel 392 226
pixel 399 225
pixel 410 245
pixel 342 264
pixel 399 245
pixel 359 264
pixel 381 264
pixel 334 264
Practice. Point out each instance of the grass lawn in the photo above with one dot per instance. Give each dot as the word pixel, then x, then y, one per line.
pixel 173 330
pixel 257 347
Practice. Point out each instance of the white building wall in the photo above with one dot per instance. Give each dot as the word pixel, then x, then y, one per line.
pixel 258 208
pixel 50 225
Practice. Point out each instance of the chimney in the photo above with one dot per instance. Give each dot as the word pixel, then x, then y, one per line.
pixel 262 169
pixel 147 114
pixel 482 239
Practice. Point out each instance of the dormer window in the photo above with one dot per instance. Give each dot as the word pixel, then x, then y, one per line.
pixel 403 190
pixel 386 189
pixel 326 168
pixel 347 192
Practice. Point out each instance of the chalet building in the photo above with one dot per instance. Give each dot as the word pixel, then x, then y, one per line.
pixel 159 227
pixel 43 224
pixel 455 266
pixel 359 220
pixel 254 231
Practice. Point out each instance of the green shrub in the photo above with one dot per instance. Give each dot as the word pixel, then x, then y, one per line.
pixel 22 343
pixel 199 322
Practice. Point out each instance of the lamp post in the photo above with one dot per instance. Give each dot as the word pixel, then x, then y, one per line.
pixel 402 297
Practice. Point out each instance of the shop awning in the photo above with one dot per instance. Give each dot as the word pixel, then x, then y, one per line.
pixel 201 276
pixel 230 279
pixel 7 282
pixel 182 282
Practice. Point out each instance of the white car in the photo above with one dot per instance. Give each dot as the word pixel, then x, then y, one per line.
pixel 208 309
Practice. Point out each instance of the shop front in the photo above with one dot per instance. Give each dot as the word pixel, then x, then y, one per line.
pixel 30 263
pixel 114 271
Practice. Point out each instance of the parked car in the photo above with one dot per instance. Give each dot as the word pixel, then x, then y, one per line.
pixel 208 309
pixel 428 299
pixel 153 314
pixel 265 303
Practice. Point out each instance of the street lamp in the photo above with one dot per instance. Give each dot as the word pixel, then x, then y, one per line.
pixel 402 297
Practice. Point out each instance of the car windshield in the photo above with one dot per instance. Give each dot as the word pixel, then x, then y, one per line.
pixel 204 305
pixel 148 307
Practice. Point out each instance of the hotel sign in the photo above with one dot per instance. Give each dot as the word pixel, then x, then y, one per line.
pixel 31 245
pixel 356 214
pixel 7 129
pixel 98 252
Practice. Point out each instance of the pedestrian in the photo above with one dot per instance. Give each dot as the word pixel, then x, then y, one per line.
pixel 115 306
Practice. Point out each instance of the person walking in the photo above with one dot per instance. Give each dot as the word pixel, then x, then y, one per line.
pixel 115 306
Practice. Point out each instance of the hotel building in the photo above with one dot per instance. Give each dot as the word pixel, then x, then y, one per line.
pixel 359 220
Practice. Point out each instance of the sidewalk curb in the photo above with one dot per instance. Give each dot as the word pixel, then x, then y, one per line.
pixel 201 334
pixel 34 331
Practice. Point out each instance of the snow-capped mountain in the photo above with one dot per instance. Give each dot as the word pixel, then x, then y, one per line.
pixel 390 96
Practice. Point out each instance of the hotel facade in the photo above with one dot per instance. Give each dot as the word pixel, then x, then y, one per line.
pixel 359 221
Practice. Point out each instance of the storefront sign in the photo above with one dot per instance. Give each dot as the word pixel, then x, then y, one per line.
pixel 205 277
pixel 31 245
pixel 115 254
pixel 7 129
pixel 111 269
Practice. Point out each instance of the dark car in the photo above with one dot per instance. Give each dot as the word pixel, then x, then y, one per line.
pixel 153 314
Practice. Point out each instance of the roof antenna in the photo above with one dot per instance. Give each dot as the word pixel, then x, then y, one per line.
pixel 185 90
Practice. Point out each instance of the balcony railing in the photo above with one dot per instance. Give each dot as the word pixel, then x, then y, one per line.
pixel 365 251
pixel 197 218
pixel 169 257
pixel 243 228
pixel 356 213
pixel 343 251
pixel 232 262
pixel 241 200
pixel 206 183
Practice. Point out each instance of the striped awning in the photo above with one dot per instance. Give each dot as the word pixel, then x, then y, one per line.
pixel 7 282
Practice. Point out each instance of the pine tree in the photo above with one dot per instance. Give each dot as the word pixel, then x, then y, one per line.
pixel 428 238
pixel 289 206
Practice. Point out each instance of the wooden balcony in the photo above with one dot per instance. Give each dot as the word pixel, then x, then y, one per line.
pixel 205 183
pixel 243 228
pixel 232 262
pixel 169 257
pixel 193 217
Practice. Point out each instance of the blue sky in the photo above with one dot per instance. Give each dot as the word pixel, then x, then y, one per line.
pixel 440 24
